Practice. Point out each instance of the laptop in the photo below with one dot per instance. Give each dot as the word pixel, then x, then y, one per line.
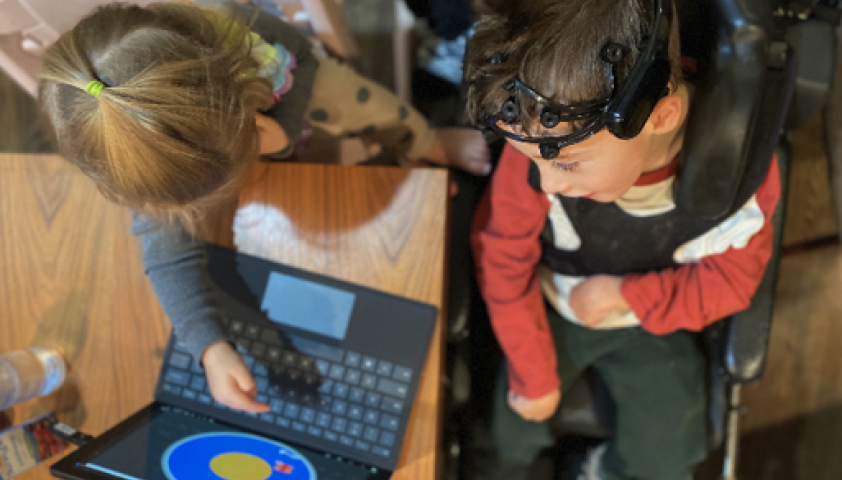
pixel 338 363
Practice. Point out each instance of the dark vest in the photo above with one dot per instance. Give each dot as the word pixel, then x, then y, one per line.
pixel 616 243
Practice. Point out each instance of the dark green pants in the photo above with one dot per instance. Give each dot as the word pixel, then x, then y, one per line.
pixel 657 383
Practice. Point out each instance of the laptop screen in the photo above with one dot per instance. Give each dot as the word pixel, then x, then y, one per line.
pixel 172 444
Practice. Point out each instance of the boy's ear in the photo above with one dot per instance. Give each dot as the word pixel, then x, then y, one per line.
pixel 668 114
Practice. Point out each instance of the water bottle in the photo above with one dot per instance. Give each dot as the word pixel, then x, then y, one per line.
pixel 28 374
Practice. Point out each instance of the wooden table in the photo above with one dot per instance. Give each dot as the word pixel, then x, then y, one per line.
pixel 72 275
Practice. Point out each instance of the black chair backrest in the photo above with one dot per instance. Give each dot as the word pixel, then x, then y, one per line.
pixel 741 97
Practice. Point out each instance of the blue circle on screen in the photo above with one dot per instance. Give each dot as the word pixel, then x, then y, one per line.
pixel 234 456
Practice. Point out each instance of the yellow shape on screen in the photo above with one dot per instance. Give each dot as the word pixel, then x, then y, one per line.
pixel 240 466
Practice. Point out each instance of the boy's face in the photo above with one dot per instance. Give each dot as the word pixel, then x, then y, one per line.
pixel 601 168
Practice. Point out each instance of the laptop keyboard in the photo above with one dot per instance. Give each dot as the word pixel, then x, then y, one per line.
pixel 314 389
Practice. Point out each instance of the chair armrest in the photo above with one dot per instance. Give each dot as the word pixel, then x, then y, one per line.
pixel 746 334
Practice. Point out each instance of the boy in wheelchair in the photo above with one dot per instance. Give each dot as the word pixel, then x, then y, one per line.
pixel 584 258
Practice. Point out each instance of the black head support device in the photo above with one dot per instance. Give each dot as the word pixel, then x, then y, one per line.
pixel 624 112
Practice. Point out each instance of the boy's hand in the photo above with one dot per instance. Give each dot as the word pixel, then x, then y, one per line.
pixel 230 381
pixel 272 137
pixel 593 299
pixel 538 409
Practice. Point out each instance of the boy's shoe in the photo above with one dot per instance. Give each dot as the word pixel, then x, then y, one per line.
pixel 592 466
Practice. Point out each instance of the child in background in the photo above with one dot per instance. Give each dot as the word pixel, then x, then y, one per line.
pixel 166 107
pixel 584 258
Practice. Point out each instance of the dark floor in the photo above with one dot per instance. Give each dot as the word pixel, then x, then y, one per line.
pixel 793 428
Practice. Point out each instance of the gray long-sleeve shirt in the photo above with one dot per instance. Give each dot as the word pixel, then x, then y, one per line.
pixel 176 262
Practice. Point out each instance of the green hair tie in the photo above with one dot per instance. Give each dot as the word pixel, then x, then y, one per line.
pixel 94 87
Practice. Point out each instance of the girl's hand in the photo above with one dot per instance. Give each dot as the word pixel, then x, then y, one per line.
pixel 272 137
pixel 536 409
pixel 229 379
pixel 596 297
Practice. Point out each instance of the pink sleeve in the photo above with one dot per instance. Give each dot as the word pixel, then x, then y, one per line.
pixel 507 248
pixel 695 295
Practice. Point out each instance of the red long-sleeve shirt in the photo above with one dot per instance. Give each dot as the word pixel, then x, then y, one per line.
pixel 507 247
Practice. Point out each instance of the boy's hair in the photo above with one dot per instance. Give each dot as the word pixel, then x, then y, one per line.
pixel 555 46
pixel 173 129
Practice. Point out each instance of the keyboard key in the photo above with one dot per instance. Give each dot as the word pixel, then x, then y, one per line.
pixel 323 366
pixel 180 360
pixel 310 381
pixel 237 327
pixel 323 420
pixel 357 395
pixel 323 403
pixel 371 434
pixel 259 369
pixel 305 363
pixel 177 377
pixel 387 439
pixel 248 414
pixel 381 452
pixel 355 429
pixel 196 368
pixel 273 355
pixel 293 375
pixel 282 422
pixel 308 415
pixel 364 446
pixel 372 399
pixel 276 405
pixel 262 398
pixel 189 394
pixel 337 372
pixel 326 387
pixel 180 347
pixel 198 383
pixel 371 417
pixel 384 368
pixel 369 381
pixel 270 335
pixel 258 350
pixel 347 441
pixel 331 436
pixel 252 332
pixel 289 358
pixel 339 407
pixel 368 364
pixel 314 431
pixel 267 417
pixel 389 421
pixel 262 383
pixel 292 410
pixel 339 424
pixel 353 376
pixel 352 359
pixel 392 405
pixel 340 390
pixel 355 412
pixel 299 427
pixel 394 389
pixel 402 374
pixel 309 398
pixel 206 399
pixel 291 394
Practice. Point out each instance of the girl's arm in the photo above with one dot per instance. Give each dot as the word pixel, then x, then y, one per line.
pixel 176 264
